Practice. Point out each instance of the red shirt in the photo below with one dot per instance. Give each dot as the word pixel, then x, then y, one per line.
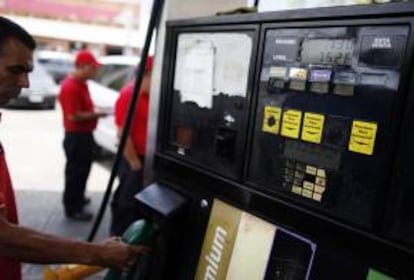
pixel 9 268
pixel 74 97
pixel 138 131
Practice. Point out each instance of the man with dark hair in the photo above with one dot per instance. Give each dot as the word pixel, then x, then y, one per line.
pixel 9 29
pixel 12 38
pixel 20 244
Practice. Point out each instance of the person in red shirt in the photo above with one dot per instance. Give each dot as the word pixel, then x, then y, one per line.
pixel 79 121
pixel 131 166
pixel 20 244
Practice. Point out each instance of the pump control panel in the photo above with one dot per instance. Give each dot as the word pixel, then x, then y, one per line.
pixel 325 116
pixel 298 122
pixel 209 104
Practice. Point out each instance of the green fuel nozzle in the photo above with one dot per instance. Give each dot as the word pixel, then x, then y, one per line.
pixel 139 232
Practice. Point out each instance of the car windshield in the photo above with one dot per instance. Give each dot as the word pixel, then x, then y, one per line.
pixel 114 76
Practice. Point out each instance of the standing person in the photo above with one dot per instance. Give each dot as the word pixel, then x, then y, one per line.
pixel 20 244
pixel 79 121
pixel 132 163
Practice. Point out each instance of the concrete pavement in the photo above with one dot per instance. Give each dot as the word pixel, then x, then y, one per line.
pixel 42 210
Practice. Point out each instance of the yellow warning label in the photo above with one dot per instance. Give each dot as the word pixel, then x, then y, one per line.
pixel 291 123
pixel 362 139
pixel 313 127
pixel 271 119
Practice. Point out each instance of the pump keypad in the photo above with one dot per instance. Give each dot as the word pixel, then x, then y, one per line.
pixel 304 180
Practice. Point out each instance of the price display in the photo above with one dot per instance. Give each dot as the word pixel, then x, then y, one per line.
pixel 327 51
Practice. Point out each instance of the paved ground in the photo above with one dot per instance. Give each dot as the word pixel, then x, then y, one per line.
pixel 42 210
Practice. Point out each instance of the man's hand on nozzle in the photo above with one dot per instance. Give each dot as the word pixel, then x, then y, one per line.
pixel 120 255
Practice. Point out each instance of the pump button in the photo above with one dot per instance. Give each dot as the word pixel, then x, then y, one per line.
pixel 345 78
pixel 318 87
pixel 320 79
pixel 298 78
pixel 344 83
pixel 275 84
pixel 297 85
pixel 373 79
pixel 377 50
pixel 344 90
pixel 320 75
pixel 278 72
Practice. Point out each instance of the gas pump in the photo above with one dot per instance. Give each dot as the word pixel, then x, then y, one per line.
pixel 284 147
pixel 287 137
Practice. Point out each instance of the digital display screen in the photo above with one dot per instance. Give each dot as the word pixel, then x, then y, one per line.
pixel 327 51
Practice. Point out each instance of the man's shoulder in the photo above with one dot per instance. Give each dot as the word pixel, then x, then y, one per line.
pixel 71 81
pixel 70 85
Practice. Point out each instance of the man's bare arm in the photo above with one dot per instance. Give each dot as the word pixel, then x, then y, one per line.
pixel 86 116
pixel 27 245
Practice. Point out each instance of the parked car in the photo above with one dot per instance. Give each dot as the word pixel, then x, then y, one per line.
pixel 115 72
pixel 42 91
pixel 58 64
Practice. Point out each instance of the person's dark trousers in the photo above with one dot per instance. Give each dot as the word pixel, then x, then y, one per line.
pixel 123 205
pixel 78 148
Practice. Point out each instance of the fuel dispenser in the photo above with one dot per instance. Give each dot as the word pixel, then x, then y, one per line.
pixel 287 137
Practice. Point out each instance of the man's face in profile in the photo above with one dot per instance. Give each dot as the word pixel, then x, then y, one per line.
pixel 16 61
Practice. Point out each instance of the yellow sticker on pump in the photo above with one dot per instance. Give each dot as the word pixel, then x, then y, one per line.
pixel 313 127
pixel 271 119
pixel 362 139
pixel 291 123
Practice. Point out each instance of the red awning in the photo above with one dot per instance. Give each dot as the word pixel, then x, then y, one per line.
pixel 63 10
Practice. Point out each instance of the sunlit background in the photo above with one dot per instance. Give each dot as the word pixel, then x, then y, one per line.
pixel 67 25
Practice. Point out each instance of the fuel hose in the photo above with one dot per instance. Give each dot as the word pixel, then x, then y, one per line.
pixel 153 23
